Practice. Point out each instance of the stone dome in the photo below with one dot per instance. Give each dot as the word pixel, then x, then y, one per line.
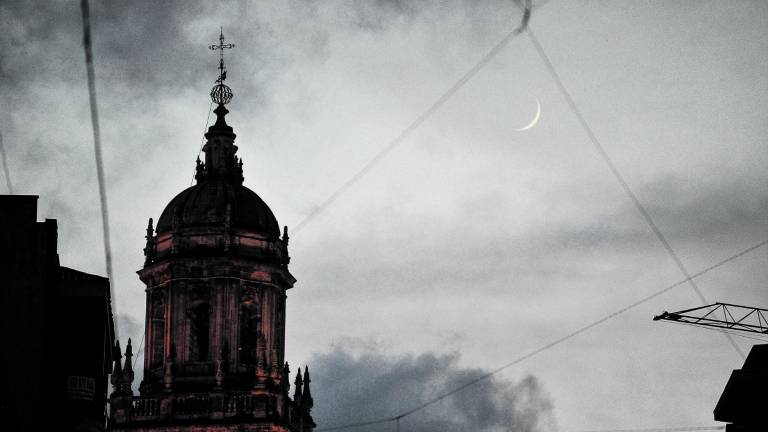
pixel 205 204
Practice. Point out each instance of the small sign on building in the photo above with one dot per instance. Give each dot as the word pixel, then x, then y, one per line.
pixel 81 387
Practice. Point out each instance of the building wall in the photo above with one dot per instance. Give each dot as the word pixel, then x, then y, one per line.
pixel 26 277
pixel 57 324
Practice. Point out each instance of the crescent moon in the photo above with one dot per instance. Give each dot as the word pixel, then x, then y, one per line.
pixel 535 118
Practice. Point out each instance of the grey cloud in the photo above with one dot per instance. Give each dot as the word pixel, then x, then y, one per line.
pixel 711 206
pixel 130 326
pixel 467 213
pixel 378 15
pixel 148 54
pixel 356 387
pixel 684 212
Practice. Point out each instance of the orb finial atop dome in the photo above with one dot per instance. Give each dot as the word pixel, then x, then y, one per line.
pixel 221 93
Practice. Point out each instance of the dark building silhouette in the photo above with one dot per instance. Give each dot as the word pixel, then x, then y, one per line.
pixel 216 275
pixel 57 329
pixel 743 402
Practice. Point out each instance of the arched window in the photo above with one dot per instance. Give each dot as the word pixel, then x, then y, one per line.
pixel 249 319
pixel 157 324
pixel 199 323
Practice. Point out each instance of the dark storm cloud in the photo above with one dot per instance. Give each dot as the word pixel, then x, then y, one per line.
pixel 130 326
pixel 709 206
pixel 133 35
pixel 148 53
pixel 131 45
pixel 686 213
pixel 144 42
pixel 152 48
pixel 141 44
pixel 372 385
pixel 508 225
pixel 378 15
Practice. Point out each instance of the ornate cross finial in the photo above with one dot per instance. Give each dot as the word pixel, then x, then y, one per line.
pixel 221 47
pixel 220 93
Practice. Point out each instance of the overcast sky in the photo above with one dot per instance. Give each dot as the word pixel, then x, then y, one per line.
pixel 471 243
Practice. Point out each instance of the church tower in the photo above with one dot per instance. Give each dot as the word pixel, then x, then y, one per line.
pixel 216 275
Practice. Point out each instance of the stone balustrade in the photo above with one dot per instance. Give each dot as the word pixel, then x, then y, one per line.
pixel 170 408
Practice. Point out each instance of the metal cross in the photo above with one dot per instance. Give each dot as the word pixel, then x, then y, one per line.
pixel 221 47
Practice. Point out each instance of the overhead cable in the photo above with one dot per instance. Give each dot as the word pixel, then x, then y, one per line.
pixel 549 345
pixel 620 178
pixel 202 140
pixel 139 352
pixel 420 119
pixel 669 429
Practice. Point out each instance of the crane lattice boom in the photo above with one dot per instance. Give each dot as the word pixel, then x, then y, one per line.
pixel 736 317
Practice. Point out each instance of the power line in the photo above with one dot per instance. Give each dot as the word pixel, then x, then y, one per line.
pixel 202 140
pixel 97 151
pixel 550 344
pixel 624 185
pixel 445 97
pixel 669 429
pixel 8 183
pixel 614 170
pixel 139 352
pixel 361 424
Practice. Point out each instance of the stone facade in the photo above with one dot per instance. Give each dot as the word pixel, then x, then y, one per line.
pixel 216 276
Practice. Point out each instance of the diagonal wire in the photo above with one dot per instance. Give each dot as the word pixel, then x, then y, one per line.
pixel 97 151
pixel 445 97
pixel 668 429
pixel 624 185
pixel 5 166
pixel 139 352
pixel 688 276
pixel 202 140
pixel 551 344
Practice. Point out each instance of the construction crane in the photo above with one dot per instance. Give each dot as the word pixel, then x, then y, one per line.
pixel 735 317
pixel 742 403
